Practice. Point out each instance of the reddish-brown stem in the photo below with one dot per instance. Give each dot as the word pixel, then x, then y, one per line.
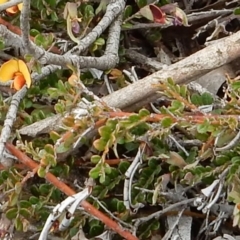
pixel 214 118
pixel 68 191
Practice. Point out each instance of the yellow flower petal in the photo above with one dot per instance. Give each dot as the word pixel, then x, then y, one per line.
pixel 12 10
pixel 8 69
pixel 25 72
pixel 20 5
pixel 3 1
pixel 73 79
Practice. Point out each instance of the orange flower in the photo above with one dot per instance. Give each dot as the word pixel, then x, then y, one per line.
pixel 13 9
pixel 17 71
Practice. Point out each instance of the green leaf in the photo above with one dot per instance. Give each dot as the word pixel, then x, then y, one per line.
pixel 61 148
pixel 52 3
pixel 196 99
pixel 207 99
pixel 34 32
pixel 176 106
pixel 13 199
pixel 97 190
pixel 99 42
pixel 54 136
pixel 153 163
pixel 95 159
pixel 166 122
pixel 100 144
pixel 222 159
pixel 127 26
pixel 18 188
pixel 33 200
pixel 2 44
pixel 144 113
pixel 51 159
pixel 65 169
pixel 235 85
pixel 127 12
pixel 233 169
pixel 236 11
pixel 89 12
pixel 113 204
pixel 59 108
pixel 134 118
pixel 56 194
pixel 234 196
pixel 49 149
pixel 96 230
pixel 54 16
pixel 62 87
pixel 102 6
pixel 103 193
pixel 140 198
pixel 28 120
pixel 141 3
pixel 106 181
pixel 44 162
pixel 203 128
pixel 123 166
pixel 235 159
pixel 53 92
pixel 183 91
pixel 114 173
pixel 18 224
pixel 25 204
pixel 102 178
pixel 105 132
pixel 25 212
pixel 27 103
pixel 34 190
pixel 39 39
pixel 107 168
pixel 73 231
pixel 120 206
pixel 11 213
pixel 45 189
pixel 111 123
pixel 4 174
pixel 155 225
pixel 95 172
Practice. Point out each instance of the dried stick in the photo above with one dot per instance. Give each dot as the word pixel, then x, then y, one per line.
pixel 183 71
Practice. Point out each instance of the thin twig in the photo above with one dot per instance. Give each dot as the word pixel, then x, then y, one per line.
pixel 158 214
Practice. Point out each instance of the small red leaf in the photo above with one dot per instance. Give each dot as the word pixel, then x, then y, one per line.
pixel 158 15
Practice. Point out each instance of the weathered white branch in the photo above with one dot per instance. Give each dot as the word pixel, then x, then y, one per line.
pixel 183 71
